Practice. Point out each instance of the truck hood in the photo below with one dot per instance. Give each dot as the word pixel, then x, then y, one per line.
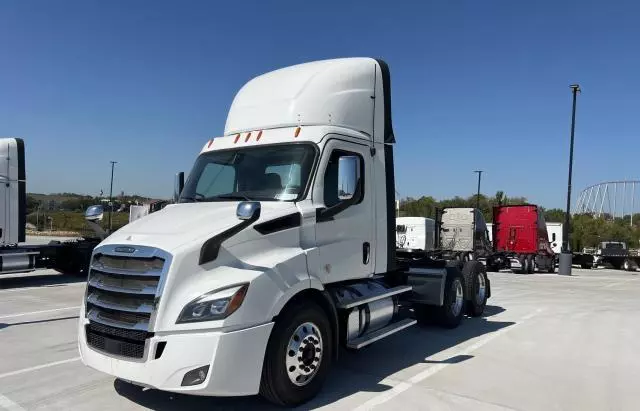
pixel 178 224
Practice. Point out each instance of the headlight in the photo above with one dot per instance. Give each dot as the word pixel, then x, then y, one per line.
pixel 216 305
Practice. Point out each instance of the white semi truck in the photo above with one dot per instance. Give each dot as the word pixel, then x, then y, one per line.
pixel 280 250
pixel 415 233
pixel 69 257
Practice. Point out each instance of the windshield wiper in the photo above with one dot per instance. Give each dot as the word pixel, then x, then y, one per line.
pixel 195 199
pixel 232 197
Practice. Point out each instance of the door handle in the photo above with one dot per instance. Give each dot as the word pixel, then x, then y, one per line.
pixel 366 248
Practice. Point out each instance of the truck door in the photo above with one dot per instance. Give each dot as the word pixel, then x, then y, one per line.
pixel 345 223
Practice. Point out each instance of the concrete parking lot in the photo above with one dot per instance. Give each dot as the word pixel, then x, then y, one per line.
pixel 547 342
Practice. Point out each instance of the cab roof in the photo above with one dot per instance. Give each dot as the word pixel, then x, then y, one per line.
pixel 352 93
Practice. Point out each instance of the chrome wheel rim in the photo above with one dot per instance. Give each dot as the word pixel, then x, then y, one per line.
pixel 456 308
pixel 482 289
pixel 304 354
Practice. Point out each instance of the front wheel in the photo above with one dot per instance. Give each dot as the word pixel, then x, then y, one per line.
pixel 298 356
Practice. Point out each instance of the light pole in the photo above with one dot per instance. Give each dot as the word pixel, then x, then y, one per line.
pixel 566 257
pixel 113 163
pixel 478 196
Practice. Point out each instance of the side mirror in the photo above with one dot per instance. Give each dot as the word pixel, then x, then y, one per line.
pixel 248 210
pixel 94 213
pixel 178 186
pixel 348 175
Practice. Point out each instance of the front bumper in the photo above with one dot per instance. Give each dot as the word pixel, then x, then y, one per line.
pixel 234 358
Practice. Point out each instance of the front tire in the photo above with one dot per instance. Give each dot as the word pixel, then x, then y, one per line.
pixel 298 356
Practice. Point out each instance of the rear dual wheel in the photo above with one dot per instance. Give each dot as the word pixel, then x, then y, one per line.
pixel 477 285
pixel 527 264
pixel 532 264
pixel 450 313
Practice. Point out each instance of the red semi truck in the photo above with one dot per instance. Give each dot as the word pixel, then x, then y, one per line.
pixel 520 240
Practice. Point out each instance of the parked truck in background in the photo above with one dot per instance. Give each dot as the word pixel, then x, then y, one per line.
pixel 415 233
pixel 520 240
pixel 462 234
pixel 281 249
pixel 554 232
pixel 69 257
pixel 457 233
pixel 617 255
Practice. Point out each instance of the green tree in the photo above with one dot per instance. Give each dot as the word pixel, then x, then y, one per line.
pixel 554 215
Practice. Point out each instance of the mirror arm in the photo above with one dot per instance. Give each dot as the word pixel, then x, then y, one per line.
pixel 326 214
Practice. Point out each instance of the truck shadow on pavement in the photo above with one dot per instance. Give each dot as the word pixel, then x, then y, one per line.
pixel 39 280
pixel 361 371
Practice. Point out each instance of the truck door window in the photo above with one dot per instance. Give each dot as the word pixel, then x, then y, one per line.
pixel 553 236
pixel 343 176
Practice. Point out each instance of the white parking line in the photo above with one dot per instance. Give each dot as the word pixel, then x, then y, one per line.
pixel 38 367
pixel 53 310
pixel 405 385
pixel 7 404
pixel 40 287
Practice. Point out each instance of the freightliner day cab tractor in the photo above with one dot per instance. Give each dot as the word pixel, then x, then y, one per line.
pixel 280 250
pixel 68 257
pixel 520 240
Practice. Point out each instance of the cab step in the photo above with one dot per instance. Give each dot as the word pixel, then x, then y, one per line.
pixel 392 328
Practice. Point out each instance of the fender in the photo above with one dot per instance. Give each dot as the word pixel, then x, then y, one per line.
pixel 316 292
pixel 291 292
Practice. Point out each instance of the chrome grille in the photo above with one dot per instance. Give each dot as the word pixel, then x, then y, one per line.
pixel 122 295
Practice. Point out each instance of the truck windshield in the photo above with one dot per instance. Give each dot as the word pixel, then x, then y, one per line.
pixel 264 173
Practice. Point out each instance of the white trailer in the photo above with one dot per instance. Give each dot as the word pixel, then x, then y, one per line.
pixel 280 249
pixel 555 236
pixel 415 233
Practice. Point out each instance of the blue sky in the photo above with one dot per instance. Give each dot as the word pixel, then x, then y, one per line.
pixel 476 85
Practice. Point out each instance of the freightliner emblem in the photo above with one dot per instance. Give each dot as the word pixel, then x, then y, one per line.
pixel 128 250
